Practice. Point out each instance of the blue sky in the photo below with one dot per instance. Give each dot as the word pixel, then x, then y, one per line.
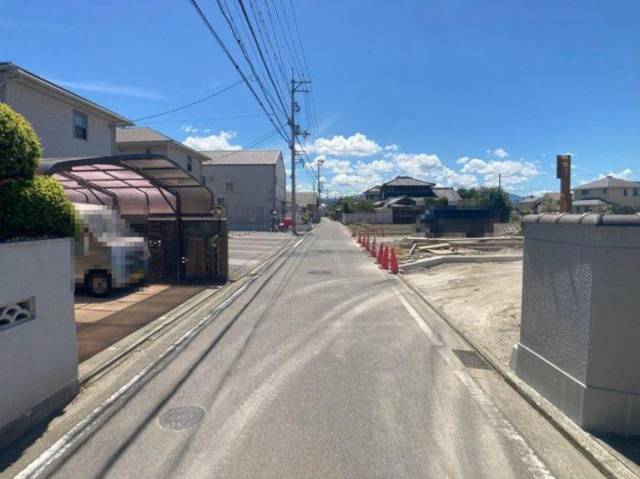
pixel 451 91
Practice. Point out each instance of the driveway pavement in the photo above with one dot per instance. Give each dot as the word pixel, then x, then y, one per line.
pixel 248 249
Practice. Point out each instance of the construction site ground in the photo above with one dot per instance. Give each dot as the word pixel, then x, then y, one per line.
pixel 483 300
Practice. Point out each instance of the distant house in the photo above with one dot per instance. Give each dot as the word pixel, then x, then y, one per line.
pixel 447 193
pixel 373 194
pixel 406 186
pixel 545 203
pixel 306 199
pixel 147 140
pixel 68 125
pixel 404 209
pixel 250 184
pixel 607 190
pixel 411 187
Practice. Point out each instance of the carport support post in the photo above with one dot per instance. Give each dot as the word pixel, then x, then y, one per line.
pixel 180 232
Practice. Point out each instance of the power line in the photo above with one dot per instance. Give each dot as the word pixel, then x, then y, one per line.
pixel 211 118
pixel 226 13
pixel 203 99
pixel 213 33
pixel 264 62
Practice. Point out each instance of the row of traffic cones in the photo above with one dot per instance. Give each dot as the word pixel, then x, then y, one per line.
pixel 385 256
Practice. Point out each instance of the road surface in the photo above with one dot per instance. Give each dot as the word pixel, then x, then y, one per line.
pixel 325 366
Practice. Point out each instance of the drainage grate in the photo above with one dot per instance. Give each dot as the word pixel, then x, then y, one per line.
pixel 182 417
pixel 471 359
pixel 320 271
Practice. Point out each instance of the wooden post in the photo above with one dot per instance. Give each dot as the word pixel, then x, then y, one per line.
pixel 563 172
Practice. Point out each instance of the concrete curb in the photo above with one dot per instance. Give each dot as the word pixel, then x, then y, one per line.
pixel 100 364
pixel 604 459
pixel 436 260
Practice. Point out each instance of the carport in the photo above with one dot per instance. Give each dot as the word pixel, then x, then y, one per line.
pixel 159 199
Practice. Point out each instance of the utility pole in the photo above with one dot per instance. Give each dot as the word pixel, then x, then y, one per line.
pixel 296 86
pixel 320 161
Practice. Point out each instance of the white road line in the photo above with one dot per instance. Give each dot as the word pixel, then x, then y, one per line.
pixel 422 324
pixel 77 433
pixel 535 466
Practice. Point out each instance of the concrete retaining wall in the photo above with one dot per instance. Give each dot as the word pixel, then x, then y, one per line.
pixel 580 328
pixel 38 358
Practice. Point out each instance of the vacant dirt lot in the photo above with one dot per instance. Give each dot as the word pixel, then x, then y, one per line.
pixel 483 300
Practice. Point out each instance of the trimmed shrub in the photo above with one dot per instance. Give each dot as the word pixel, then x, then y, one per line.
pixel 36 208
pixel 20 148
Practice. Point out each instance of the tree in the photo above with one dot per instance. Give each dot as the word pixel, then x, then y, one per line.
pixel 30 206
pixel 495 199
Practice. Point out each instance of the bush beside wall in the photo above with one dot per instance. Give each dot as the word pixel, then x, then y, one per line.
pixel 36 208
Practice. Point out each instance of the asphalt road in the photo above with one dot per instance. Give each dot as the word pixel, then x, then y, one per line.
pixel 324 367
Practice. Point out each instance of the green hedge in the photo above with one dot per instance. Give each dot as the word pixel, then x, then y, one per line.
pixel 19 146
pixel 36 208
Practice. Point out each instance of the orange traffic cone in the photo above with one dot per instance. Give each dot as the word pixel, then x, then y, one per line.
pixel 394 261
pixel 359 240
pixel 372 251
pixel 385 258
pixel 380 253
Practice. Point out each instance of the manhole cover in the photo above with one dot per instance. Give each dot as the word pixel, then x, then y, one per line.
pixel 320 271
pixel 471 359
pixel 182 417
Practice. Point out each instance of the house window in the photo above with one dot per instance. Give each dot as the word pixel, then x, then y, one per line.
pixel 229 187
pixel 624 192
pixel 604 191
pixel 189 163
pixel 585 192
pixel 80 125
pixel 220 201
pixel 147 151
pixel 635 192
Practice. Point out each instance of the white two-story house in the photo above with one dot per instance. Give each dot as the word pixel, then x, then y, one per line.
pixel 598 195
pixel 68 125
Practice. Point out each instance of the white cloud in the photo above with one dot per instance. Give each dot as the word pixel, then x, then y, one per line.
pixel 498 152
pixel 354 145
pixel 512 171
pixel 337 166
pixel 109 88
pixel 212 142
pixel 417 164
pixel 626 174
pixel 463 160
pixel 189 129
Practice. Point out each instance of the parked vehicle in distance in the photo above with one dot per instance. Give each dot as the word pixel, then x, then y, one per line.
pixel 107 253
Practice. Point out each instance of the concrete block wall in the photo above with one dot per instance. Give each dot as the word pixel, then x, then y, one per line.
pixel 38 357
pixel 580 327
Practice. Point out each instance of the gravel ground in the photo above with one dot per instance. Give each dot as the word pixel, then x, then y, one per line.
pixel 483 299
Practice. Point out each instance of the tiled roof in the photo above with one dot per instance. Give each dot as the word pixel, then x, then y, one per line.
pixel 446 192
pixel 242 157
pixel 608 182
pixel 407 181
